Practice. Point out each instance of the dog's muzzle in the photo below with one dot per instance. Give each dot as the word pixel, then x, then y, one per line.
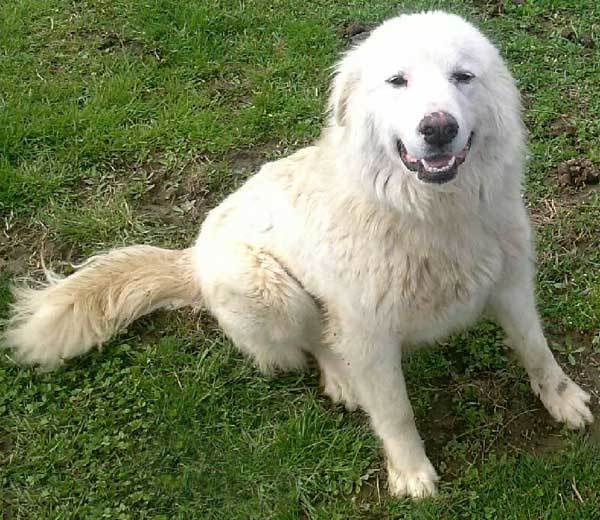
pixel 434 168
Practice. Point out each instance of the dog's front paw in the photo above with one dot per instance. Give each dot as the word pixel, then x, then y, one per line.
pixel 566 402
pixel 416 483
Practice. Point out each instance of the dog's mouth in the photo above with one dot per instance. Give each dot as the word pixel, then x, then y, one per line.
pixel 435 168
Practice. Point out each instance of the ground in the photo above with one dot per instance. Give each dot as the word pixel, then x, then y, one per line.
pixel 125 121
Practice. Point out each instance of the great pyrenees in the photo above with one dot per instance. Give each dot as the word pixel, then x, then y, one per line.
pixel 399 226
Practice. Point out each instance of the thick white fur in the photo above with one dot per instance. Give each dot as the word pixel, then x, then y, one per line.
pixel 71 315
pixel 340 252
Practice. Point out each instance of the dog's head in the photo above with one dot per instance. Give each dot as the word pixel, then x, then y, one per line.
pixel 423 90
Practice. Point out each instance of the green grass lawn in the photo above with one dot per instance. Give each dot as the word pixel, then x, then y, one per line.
pixel 124 122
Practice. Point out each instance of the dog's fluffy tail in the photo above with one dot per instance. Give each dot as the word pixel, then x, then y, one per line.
pixel 69 316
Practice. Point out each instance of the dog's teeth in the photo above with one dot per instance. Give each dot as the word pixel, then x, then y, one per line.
pixel 432 169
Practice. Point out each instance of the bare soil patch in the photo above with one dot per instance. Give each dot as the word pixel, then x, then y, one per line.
pixel 355 31
pixel 172 198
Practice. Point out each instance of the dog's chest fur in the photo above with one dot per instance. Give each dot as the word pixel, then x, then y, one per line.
pixel 423 279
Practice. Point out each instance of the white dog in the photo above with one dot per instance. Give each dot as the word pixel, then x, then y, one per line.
pixel 400 226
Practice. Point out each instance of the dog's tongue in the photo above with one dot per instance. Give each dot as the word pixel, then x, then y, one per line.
pixel 440 161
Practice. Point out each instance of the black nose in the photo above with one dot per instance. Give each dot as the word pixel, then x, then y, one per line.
pixel 438 128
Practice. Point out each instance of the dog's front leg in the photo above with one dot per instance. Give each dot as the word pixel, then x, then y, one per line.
pixel 375 371
pixel 513 305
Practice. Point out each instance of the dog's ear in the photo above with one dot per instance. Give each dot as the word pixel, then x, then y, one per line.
pixel 344 82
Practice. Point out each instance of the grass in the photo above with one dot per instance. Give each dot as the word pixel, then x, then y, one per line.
pixel 124 122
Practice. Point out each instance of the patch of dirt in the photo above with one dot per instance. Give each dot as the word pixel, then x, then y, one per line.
pixel 174 194
pixel 513 422
pixel 472 417
pixel 355 32
pixel 249 160
pixel 584 39
pixel 191 189
pixel 524 427
pixel 15 259
pixel 560 212
pixel 6 509
pixel 110 41
pixel 173 198
pixel 563 125
pixel 490 7
pixel 575 183
pixel 368 498
pixel 4 444
pixel 495 7
pixel 228 88
pixel 23 244
pixel 441 424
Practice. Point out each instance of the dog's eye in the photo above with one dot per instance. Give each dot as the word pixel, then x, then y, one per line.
pixel 462 76
pixel 398 80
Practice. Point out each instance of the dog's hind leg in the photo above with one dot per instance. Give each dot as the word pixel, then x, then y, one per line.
pixel 268 315
pixel 259 305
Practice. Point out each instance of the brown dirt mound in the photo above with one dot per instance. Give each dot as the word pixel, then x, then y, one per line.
pixel 577 172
